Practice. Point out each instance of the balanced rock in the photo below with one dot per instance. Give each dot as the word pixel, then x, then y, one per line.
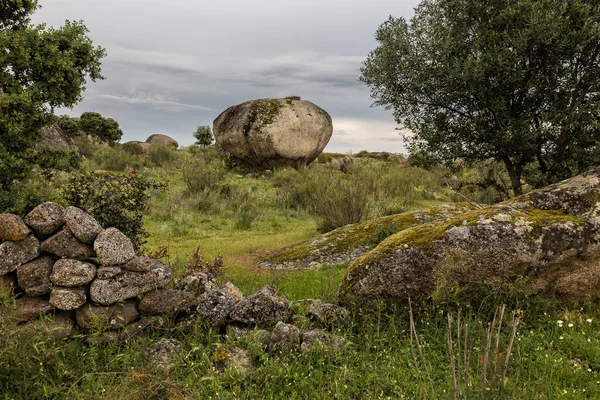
pixel 270 133
pixel 34 276
pixel 64 244
pixel 163 140
pixel 68 298
pixel 12 228
pixel 46 219
pixel 215 306
pixel 129 284
pixel 285 338
pixel 72 273
pixel 15 254
pixel 101 317
pixel 546 242
pixel 167 301
pixel 264 308
pixel 233 359
pixel 82 225
pixel 113 247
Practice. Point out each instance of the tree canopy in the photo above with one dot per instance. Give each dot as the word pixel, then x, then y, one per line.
pixel 513 80
pixel 203 136
pixel 41 68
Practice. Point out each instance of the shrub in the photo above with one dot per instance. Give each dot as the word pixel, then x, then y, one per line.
pixel 115 201
pixel 132 148
pixel 200 174
pixel 382 233
pixel 161 155
pixel 112 158
pixel 203 136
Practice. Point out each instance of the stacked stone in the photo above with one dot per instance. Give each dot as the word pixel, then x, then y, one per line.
pixel 64 261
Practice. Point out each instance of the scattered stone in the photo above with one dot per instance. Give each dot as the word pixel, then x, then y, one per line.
pixel 72 273
pixel 233 290
pixel 237 331
pixel 113 247
pixel 285 338
pixel 82 225
pixel 46 219
pixel 234 359
pixel 167 301
pixel 68 298
pixel 12 228
pixel 162 140
pixel 263 308
pixel 34 276
pixel 129 284
pixel 214 307
pixel 164 353
pixel 136 328
pixel 108 272
pixel 312 340
pixel 28 308
pixel 141 264
pixel 15 254
pixel 260 338
pixel 327 314
pixel 101 317
pixel 197 283
pixel 64 244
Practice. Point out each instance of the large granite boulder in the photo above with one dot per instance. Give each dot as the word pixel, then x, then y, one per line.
pixel 163 140
pixel 269 133
pixel 129 284
pixel 546 242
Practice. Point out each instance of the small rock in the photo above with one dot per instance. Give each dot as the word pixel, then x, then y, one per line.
pixel 265 308
pixel 197 283
pixel 234 359
pixel 112 317
pixel 15 254
pixel 141 264
pixel 237 331
pixel 83 226
pixel 312 340
pixel 12 228
pixel 167 301
pixel 46 219
pixel 108 272
pixel 129 284
pixel 234 291
pixel 214 307
pixel 72 273
pixel 136 328
pixel 64 244
pixel 34 276
pixel 260 338
pixel 113 247
pixel 285 338
pixel 165 352
pixel 327 314
pixel 68 298
pixel 28 308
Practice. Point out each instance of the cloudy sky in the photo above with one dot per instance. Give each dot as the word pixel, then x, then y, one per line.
pixel 175 64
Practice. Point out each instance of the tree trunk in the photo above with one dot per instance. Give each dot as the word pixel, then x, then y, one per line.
pixel 514 172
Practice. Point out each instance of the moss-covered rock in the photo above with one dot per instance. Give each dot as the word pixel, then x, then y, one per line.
pixel 545 242
pixel 347 243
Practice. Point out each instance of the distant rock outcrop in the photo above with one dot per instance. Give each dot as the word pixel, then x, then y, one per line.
pixel 270 133
pixel 163 140
pixel 54 138
pixel 546 242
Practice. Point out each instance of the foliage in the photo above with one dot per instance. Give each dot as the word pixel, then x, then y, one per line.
pixel 69 125
pixel 132 148
pixel 106 129
pixel 161 155
pixel 41 68
pixel 112 158
pixel 516 81
pixel 203 136
pixel 201 174
pixel 383 232
pixel 115 201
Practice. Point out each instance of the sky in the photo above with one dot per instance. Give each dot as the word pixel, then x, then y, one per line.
pixel 172 65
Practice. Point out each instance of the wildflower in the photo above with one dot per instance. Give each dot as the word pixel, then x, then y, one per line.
pixel 559 322
pixel 589 320
pixel 561 338
pixel 570 325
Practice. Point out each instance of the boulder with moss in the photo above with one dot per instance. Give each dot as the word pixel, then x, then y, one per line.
pixel 271 133
pixel 545 242
pixel 349 242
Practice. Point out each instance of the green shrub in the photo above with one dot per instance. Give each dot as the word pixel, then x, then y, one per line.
pixel 132 148
pixel 200 174
pixel 161 155
pixel 382 233
pixel 245 217
pixel 115 201
pixel 113 158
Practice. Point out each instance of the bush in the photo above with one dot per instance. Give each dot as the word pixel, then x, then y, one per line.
pixel 113 158
pixel 161 155
pixel 133 148
pixel 200 174
pixel 115 201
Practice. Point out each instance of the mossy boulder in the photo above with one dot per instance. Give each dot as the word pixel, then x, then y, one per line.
pixel 349 242
pixel 545 242
pixel 270 133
